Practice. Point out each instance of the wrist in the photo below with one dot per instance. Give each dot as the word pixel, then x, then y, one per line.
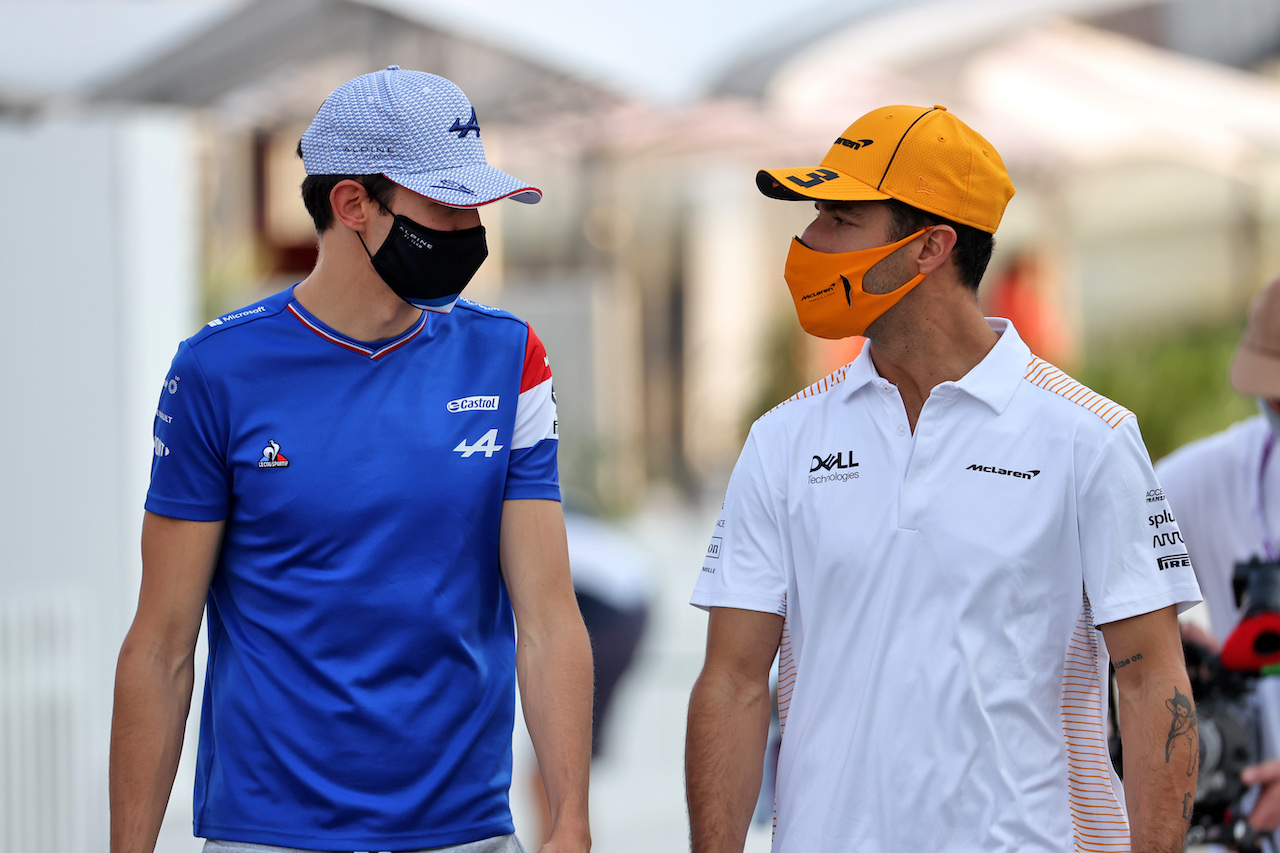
pixel 570 833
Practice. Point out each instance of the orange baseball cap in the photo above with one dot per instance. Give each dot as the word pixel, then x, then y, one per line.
pixel 924 157
pixel 1255 370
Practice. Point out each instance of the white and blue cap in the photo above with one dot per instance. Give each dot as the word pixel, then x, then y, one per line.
pixel 418 129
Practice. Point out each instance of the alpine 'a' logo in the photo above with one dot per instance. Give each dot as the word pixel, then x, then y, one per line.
pixel 272 457
pixel 463 129
pixel 843 459
pixel 991 469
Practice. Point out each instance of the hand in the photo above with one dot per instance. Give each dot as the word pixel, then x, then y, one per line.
pixel 1265 816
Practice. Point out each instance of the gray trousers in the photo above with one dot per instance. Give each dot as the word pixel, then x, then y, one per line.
pixel 497 844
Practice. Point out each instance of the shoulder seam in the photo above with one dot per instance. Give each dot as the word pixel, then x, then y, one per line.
pixel 488 311
pixel 1044 375
pixel 823 385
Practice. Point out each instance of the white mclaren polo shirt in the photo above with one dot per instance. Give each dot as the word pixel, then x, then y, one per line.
pixel 941 679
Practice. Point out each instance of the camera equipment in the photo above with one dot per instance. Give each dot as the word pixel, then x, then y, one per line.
pixel 1229 724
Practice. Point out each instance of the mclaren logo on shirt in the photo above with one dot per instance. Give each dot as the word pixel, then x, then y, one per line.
pixel 272 457
pixel 991 469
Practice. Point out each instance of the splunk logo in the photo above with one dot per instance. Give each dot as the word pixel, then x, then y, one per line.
pixel 991 469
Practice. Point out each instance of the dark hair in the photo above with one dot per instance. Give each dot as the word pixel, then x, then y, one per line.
pixel 973 248
pixel 316 189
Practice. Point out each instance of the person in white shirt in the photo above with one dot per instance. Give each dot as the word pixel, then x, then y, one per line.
pixel 1225 490
pixel 930 539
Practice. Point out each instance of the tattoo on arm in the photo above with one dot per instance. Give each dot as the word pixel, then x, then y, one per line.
pixel 1188 801
pixel 1122 664
pixel 1184 725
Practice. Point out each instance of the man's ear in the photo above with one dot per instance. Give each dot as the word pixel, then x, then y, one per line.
pixel 351 205
pixel 938 243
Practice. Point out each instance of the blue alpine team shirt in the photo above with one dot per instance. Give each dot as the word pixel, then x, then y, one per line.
pixel 360 687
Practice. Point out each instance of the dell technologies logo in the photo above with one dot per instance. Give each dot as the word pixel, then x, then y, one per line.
pixel 841 466
pixel 837 461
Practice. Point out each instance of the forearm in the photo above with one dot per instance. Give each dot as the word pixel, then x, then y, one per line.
pixel 1161 758
pixel 724 760
pixel 152 700
pixel 556 689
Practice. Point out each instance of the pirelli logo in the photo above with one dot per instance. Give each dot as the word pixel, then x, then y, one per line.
pixel 1174 561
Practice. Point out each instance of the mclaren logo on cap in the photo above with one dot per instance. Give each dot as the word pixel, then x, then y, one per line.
pixel 855 144
pixel 463 129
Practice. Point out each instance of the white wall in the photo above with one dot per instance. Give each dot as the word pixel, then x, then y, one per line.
pixel 99 278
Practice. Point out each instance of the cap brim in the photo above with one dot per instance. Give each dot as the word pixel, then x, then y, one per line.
pixel 1256 373
pixel 467 186
pixel 815 183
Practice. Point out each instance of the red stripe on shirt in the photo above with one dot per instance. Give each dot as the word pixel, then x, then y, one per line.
pixel 537 367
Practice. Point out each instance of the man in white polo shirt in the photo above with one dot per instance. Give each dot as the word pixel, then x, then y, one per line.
pixel 930 539
pixel 1225 489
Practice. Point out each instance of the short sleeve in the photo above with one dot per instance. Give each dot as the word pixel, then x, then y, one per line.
pixel 189 476
pixel 1134 558
pixel 745 564
pixel 532 471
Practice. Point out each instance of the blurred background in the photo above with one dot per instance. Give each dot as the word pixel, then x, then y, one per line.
pixel 147 158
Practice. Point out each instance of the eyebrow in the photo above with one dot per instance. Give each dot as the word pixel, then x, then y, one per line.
pixel 843 207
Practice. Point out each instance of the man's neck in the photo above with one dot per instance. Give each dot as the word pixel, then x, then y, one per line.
pixel 346 294
pixel 935 338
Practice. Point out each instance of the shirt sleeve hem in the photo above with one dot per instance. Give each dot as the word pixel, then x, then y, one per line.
pixel 1182 596
pixel 170 508
pixel 708 600
pixel 531 492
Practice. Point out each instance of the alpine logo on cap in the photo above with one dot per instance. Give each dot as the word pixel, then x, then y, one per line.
pixel 272 457
pixel 855 144
pixel 463 129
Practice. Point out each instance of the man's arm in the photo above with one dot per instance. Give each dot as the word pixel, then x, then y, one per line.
pixel 155 673
pixel 728 726
pixel 1157 729
pixel 553 662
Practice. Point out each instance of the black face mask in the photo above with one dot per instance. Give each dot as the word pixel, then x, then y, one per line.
pixel 428 268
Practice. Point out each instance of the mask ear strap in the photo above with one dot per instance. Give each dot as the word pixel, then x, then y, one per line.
pixel 362 243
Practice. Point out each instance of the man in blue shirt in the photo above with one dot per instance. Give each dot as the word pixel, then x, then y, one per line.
pixel 357 477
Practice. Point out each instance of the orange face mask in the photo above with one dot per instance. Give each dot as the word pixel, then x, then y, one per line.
pixel 827 288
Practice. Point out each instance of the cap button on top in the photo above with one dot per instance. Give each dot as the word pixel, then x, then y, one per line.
pixel 393 67
pixel 939 107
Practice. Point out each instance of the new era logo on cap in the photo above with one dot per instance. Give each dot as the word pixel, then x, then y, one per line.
pixel 418 129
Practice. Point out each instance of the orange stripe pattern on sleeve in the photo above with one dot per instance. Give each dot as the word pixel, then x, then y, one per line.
pixel 824 384
pixel 1098 821
pixel 1045 375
